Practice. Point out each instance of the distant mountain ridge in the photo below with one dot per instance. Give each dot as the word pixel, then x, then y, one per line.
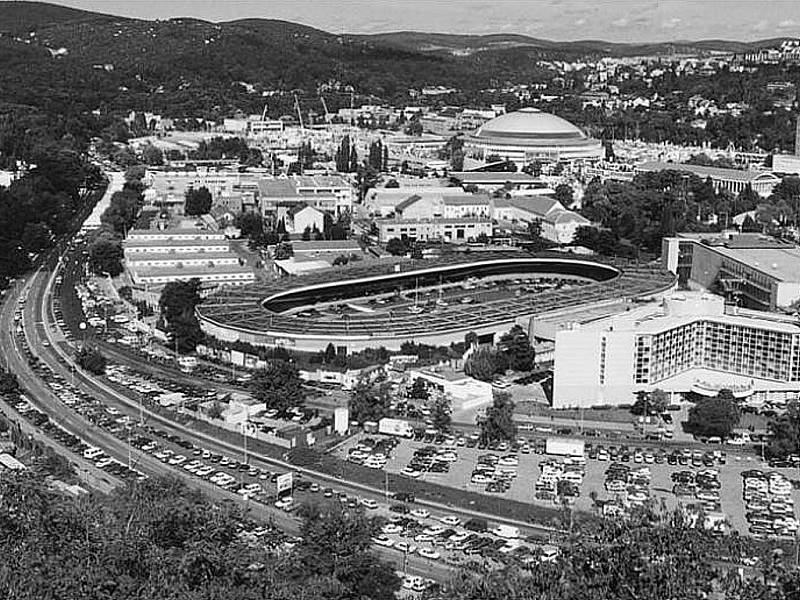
pixel 22 17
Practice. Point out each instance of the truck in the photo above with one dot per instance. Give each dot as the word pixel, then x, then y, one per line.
pixel 564 447
pixel 399 427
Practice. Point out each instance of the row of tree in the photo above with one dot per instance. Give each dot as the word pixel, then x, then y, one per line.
pixel 512 351
pixel 158 539
pixel 41 203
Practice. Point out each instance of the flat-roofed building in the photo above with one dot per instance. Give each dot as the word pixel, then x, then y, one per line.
pixel 180 259
pixel 729 180
pixel 689 342
pixel 440 229
pixel 171 246
pixel 187 233
pixel 491 180
pixel 168 186
pixel 332 194
pixel 756 271
pixel 222 274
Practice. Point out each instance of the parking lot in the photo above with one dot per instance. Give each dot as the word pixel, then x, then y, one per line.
pixel 518 467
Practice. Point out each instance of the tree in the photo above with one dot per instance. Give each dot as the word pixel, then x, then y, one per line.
pixel 370 401
pixel 414 127
pixel 484 363
pixel 336 542
pixel 516 346
pixel 650 403
pixel 177 303
pixel 343 155
pixel 498 425
pixel 535 234
pixel 713 416
pixel 284 251
pixel 397 247
pixel 92 360
pixel 153 156
pixel 198 201
pixel 9 384
pixel 122 210
pixel 278 385
pixel 440 414
pixel 105 256
pixel 419 389
pixel 36 237
pixel 564 194
pixel 785 440
pixel 215 410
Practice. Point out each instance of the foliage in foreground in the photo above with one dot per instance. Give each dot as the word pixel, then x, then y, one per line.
pixel 654 556
pixel 159 539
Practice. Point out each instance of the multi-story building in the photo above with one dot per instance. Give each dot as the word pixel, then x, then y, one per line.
pixel 331 194
pixel 691 342
pixel 557 223
pixel 752 270
pixel 168 186
pixel 154 257
pixel 425 230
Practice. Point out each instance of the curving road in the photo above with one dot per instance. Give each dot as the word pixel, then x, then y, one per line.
pixel 39 331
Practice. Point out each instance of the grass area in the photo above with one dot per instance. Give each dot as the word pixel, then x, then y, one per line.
pixel 606 415
pixel 457 498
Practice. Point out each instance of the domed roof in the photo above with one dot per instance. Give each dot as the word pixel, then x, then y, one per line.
pixel 530 123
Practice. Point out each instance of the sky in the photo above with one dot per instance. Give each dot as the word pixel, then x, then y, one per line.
pixel 610 20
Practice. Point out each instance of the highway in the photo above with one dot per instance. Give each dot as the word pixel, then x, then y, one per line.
pixel 58 355
pixel 38 330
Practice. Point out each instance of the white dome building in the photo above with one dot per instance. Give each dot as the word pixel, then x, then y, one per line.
pixel 530 134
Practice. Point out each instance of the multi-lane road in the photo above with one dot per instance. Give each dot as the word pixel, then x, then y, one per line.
pixel 52 349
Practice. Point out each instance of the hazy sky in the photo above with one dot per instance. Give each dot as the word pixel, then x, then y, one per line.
pixel 612 20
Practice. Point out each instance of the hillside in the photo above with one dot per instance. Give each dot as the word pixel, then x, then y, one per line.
pixel 52 57
pixel 469 44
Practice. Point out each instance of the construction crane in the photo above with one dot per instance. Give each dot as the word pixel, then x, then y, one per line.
pixel 299 114
pixel 328 117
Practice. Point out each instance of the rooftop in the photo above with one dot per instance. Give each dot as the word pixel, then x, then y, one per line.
pixel 141 243
pixel 713 172
pixel 133 233
pixel 470 200
pixel 281 188
pixel 182 256
pixel 325 246
pixel 528 123
pixel 499 178
pixel 776 258
pixel 191 271
pixel 435 221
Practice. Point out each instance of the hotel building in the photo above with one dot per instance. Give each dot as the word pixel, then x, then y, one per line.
pixel 688 342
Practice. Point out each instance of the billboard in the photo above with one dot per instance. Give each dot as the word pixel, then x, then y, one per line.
pixel 283 483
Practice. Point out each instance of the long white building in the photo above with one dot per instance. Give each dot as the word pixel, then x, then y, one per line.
pixel 689 342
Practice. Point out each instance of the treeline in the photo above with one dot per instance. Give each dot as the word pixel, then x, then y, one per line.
pixel 105 251
pixel 218 148
pixel 655 205
pixel 38 206
pixel 159 539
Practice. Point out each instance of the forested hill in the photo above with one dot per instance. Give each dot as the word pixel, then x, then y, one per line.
pixel 63 64
pixel 188 60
